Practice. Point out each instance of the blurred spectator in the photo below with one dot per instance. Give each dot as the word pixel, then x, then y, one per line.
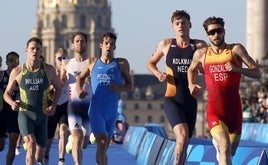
pixel 247 110
pixel 262 106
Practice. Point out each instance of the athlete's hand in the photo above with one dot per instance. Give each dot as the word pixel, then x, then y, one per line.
pixel 15 105
pixel 194 90
pixel 114 87
pixel 161 77
pixel 82 94
pixel 230 67
pixel 50 111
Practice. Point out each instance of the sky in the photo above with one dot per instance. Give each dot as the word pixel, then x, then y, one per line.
pixel 139 24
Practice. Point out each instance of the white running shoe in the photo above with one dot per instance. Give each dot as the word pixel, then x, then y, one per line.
pixel 17 151
pixel 217 149
pixel 69 145
pixel 61 163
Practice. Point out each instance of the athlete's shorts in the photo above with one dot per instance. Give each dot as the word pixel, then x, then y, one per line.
pixel 218 124
pixel 8 121
pixel 103 117
pixel 100 124
pixel 78 108
pixel 60 117
pixel 35 124
pixel 78 119
pixel 178 113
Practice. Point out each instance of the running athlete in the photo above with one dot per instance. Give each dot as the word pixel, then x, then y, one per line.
pixel 180 107
pixel 9 118
pixel 33 79
pixel 78 119
pixel 107 76
pixel 60 117
pixel 222 65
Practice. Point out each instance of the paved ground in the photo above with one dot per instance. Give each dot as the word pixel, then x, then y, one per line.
pixel 116 155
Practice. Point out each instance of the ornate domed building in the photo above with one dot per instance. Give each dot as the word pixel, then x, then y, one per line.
pixel 58 19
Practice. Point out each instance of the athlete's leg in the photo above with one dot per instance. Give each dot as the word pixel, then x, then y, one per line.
pixel 182 140
pixel 17 152
pixel 75 125
pixel 30 142
pixel 77 146
pixel 102 146
pixel 63 136
pixel 235 139
pixel 40 153
pixel 223 142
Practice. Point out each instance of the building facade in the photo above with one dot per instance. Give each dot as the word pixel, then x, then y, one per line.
pixel 58 19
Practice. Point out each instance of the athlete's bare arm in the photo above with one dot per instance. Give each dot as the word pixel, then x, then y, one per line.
pixel 125 71
pixel 192 73
pixel 14 78
pixel 55 82
pixel 63 71
pixel 160 52
pixel 82 76
pixel 241 56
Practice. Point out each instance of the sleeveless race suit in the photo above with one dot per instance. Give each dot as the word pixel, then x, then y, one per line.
pixel 8 117
pixel 179 105
pixel 34 91
pixel 104 104
pixel 224 110
pixel 78 108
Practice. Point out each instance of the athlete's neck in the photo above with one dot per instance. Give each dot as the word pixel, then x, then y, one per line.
pixel 80 57
pixel 106 59
pixel 33 65
pixel 218 48
pixel 183 41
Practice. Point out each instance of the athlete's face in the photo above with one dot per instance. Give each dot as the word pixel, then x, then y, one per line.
pixel 108 46
pixel 215 34
pixel 34 50
pixel 79 44
pixel 12 61
pixel 59 57
pixel 181 26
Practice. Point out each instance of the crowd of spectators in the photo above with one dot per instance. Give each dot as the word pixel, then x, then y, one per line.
pixel 255 109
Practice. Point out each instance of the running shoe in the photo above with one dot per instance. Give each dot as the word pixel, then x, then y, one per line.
pixel 69 145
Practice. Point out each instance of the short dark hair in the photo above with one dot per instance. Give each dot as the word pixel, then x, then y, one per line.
pixel 36 39
pixel 108 34
pixel 178 14
pixel 213 20
pixel 77 34
pixel 12 53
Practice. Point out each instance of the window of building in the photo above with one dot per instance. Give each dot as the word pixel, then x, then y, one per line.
pixel 162 119
pixel 149 106
pixel 149 119
pixel 83 21
pixel 136 106
pixel 136 119
pixel 64 21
